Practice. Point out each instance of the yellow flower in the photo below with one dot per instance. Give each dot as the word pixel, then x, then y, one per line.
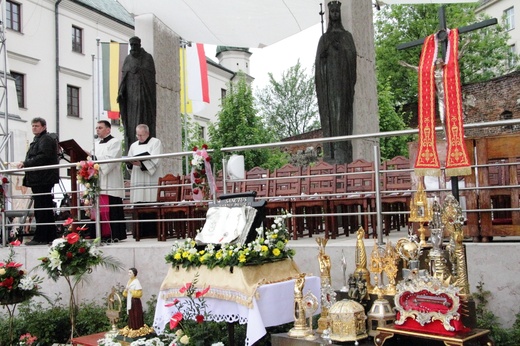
pixel 185 339
pixel 274 236
pixel 202 258
pixel 201 252
pixel 177 256
pixel 96 167
pixel 185 254
pixel 276 252
pixel 264 248
pixel 242 258
pixel 218 255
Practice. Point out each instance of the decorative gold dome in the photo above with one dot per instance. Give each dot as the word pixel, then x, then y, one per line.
pixel 348 321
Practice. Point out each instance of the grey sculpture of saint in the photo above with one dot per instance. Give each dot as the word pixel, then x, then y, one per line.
pixel 137 91
pixel 335 78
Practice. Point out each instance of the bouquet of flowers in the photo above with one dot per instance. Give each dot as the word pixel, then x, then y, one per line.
pixel 74 256
pixel 3 191
pixel 16 285
pixel 27 340
pixel 202 180
pixel 88 175
pixel 187 322
pixel 270 245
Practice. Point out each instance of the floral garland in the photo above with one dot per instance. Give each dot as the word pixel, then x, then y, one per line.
pixel 269 246
pixel 202 180
pixel 3 191
pixel 16 285
pixel 88 175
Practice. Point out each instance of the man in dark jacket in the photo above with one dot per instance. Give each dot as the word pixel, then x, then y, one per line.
pixel 42 151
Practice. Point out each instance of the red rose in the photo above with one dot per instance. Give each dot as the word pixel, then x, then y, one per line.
pixel 199 319
pixel 203 171
pixel 82 250
pixel 204 146
pixel 196 175
pixel 198 181
pixel 195 148
pixel 5 180
pixel 195 191
pixel 69 255
pixel 208 159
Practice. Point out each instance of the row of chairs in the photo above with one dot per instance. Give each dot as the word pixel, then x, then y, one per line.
pixel 321 198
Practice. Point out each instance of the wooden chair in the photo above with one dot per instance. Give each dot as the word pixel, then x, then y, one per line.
pixel 165 193
pixel 197 210
pixel 316 189
pixel 355 192
pixel 396 194
pixel 172 207
pixel 257 179
pixel 504 180
pixel 284 187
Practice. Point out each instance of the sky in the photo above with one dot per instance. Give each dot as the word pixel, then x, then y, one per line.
pixel 279 57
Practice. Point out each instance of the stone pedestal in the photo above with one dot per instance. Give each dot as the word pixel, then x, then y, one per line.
pixel 356 17
pixel 160 41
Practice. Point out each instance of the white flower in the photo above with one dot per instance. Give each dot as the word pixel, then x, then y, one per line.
pixel 54 260
pixel 185 340
pixel 218 344
pixel 26 284
pixel 57 242
pixel 94 251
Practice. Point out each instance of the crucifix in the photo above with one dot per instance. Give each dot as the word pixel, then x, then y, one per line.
pixel 442 37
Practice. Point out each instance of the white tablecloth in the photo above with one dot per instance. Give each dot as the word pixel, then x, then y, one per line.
pixel 273 305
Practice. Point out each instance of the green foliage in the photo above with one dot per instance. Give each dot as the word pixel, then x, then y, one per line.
pixel 238 125
pixel 486 319
pixel 484 51
pixel 391 120
pixel 289 106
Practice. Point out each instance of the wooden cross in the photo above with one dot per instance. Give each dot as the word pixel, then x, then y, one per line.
pixel 442 37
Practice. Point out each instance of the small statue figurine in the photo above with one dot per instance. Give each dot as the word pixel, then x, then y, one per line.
pixel 344 269
pixel 300 329
pixel 133 293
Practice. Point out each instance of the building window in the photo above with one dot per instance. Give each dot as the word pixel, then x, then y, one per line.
pixel 509 18
pixel 72 101
pixel 511 59
pixel 222 96
pixel 13 16
pixel 77 39
pixel 19 81
pixel 202 132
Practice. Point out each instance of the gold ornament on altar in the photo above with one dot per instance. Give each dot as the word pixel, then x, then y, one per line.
pixel 112 312
pixel 328 296
pixel 348 321
pixel 381 313
pixel 420 211
pixel 361 270
pixel 384 260
pixel 304 305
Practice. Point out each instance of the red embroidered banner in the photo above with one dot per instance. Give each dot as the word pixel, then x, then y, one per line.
pixel 427 161
pixel 457 158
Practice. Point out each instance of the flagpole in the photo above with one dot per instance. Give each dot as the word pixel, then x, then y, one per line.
pixel 98 216
pixel 184 45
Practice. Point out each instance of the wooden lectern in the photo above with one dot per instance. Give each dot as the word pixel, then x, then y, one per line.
pixel 75 154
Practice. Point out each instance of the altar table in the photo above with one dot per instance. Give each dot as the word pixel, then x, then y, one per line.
pixel 272 305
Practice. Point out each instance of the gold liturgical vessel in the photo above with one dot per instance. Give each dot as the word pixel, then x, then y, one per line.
pixel 420 211
pixel 302 304
pixel 113 311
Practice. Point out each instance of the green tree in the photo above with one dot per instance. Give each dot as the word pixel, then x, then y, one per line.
pixel 289 105
pixel 391 119
pixel 237 125
pixel 484 51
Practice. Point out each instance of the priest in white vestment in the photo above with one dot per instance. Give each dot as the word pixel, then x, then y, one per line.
pixel 145 173
pixel 111 183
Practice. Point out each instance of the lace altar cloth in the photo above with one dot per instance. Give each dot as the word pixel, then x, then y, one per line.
pixel 261 296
